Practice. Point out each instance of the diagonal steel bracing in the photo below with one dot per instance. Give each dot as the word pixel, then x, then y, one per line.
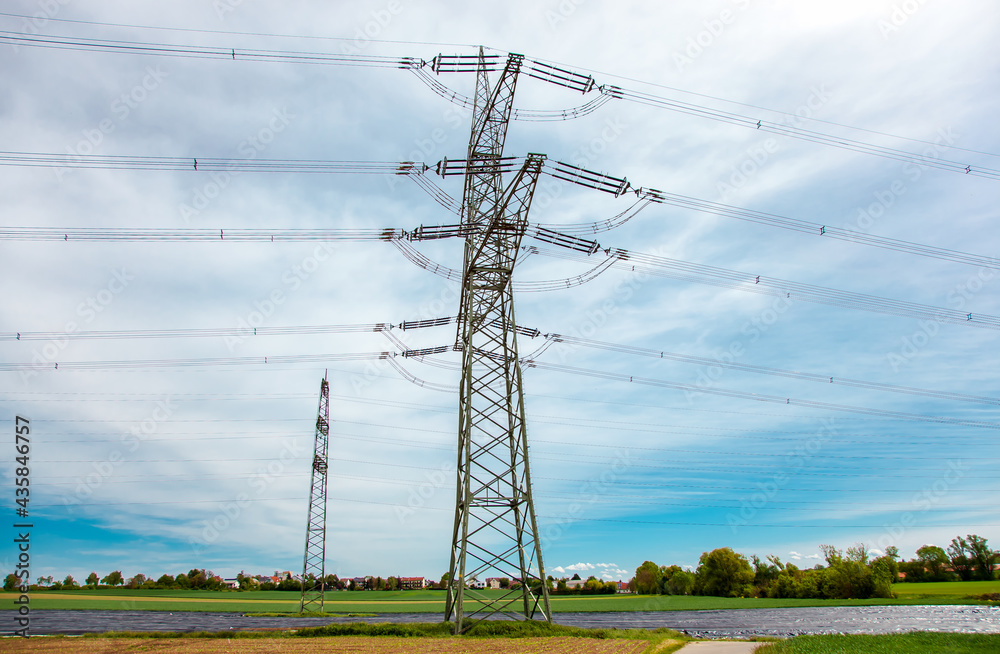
pixel 495 532
pixel 315 556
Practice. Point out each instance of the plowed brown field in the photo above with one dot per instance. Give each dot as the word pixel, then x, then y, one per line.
pixel 365 645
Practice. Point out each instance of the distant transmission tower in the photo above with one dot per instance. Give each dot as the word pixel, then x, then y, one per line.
pixel 495 533
pixel 315 556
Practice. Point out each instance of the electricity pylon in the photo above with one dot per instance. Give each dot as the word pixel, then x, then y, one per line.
pixel 315 555
pixel 495 532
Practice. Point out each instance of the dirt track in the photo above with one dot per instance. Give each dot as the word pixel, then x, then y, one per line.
pixel 365 645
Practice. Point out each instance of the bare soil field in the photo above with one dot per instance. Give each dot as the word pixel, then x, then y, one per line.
pixel 365 645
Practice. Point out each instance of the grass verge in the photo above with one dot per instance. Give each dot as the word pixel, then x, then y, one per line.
pixel 311 614
pixel 920 642
pixel 661 641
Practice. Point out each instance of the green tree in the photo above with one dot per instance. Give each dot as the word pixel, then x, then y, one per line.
pixel 11 582
pixel 136 581
pixel 69 582
pixel 681 583
pixel 165 581
pixel 961 562
pixel 723 573
pixel 982 556
pixel 846 576
pixel 765 573
pixel 933 560
pixel 197 579
pixel 114 578
pixel 648 579
pixel 885 572
pixel 182 581
pixel 213 581
pixel 93 580
pixel 666 572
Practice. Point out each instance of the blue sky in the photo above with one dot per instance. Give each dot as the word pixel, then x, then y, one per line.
pixel 161 469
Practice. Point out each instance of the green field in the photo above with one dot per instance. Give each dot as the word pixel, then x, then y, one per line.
pixel 431 601
pixel 915 643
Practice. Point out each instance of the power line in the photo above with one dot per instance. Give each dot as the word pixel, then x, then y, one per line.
pixel 205 164
pixel 759 397
pixel 559 76
pixel 199 52
pixel 294 330
pixel 293 359
pixel 788 116
pixel 416 171
pixel 762 370
pixel 233 32
pixel 763 285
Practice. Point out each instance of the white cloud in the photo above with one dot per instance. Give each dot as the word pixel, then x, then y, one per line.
pixel 580 567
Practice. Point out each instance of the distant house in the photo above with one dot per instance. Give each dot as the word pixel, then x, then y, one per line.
pixel 231 583
pixel 279 577
pixel 623 586
pixel 492 582
pixel 475 583
pixel 575 583
pixel 412 583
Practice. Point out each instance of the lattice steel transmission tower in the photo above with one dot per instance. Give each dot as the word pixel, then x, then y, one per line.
pixel 495 532
pixel 315 555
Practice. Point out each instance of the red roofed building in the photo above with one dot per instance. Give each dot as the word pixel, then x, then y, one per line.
pixel 412 583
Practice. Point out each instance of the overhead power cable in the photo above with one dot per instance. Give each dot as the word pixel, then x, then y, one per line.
pixel 196 363
pixel 713 390
pixel 762 370
pixel 616 186
pixel 807 135
pixel 198 52
pixel 294 330
pixel 760 284
pixel 207 164
pixel 357 59
pixel 751 122
pixel 106 234
pixel 535 64
pixel 190 30
pixel 534 68
pixel 759 397
pixel 549 338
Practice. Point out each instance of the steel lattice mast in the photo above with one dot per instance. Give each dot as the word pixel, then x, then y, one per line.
pixel 314 562
pixel 495 532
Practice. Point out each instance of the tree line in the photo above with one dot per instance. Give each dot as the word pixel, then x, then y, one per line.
pixel 851 574
pixel 200 579
pixel 197 579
